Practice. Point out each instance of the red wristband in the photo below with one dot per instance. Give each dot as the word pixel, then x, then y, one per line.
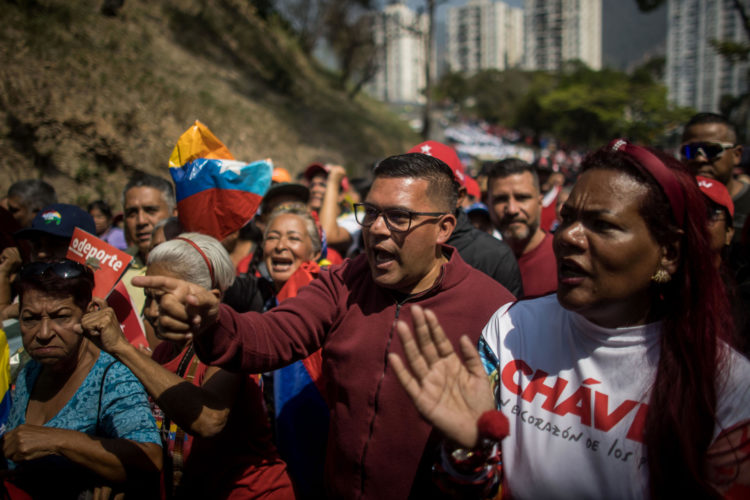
pixel 493 425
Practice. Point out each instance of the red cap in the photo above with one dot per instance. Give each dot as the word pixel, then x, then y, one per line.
pixel 716 192
pixel 472 188
pixel 445 153
pixel 314 169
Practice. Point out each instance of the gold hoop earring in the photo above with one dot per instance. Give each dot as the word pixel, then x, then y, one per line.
pixel 661 276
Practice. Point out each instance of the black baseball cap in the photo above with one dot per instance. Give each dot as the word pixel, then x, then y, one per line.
pixel 58 219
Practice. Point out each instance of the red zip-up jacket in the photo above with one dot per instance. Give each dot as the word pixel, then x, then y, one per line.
pixel 376 438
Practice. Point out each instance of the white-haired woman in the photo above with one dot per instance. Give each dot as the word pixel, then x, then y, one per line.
pixel 213 421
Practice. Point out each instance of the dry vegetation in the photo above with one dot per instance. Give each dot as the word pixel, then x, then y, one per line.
pixel 86 100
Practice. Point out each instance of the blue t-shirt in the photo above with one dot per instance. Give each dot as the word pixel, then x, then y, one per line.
pixel 124 412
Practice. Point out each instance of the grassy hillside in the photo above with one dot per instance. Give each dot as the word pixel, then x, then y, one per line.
pixel 86 100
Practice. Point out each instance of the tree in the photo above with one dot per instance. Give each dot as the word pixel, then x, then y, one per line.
pixel 453 88
pixel 348 31
pixel 731 50
pixel 345 26
pixel 576 105
pixel 588 108
pixel 496 94
pixel 306 18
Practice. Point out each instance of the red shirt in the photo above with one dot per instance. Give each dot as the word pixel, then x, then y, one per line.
pixel 239 462
pixel 539 269
pixel 244 265
pixel 376 438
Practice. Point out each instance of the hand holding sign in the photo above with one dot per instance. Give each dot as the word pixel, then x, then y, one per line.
pixel 184 308
pixel 109 264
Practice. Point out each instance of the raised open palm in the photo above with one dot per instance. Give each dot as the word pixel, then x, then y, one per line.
pixel 449 392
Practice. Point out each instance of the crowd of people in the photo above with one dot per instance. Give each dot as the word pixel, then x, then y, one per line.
pixel 415 333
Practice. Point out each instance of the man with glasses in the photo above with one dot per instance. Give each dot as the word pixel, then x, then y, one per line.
pixel 479 249
pixel 378 445
pixel 710 149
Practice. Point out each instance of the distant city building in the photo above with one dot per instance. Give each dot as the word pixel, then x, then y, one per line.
pixel 696 75
pixel 400 39
pixel 484 34
pixel 556 31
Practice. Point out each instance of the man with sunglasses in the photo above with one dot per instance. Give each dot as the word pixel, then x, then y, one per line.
pixel 378 445
pixel 710 149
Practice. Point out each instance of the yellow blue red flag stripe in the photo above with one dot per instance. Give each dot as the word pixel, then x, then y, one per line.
pixel 216 194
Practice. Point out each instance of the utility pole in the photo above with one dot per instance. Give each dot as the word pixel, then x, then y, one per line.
pixel 427 110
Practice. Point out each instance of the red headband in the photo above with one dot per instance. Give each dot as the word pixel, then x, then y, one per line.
pixel 205 258
pixel 649 164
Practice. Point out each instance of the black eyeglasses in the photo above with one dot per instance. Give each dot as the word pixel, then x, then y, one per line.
pixel 396 219
pixel 708 150
pixel 62 268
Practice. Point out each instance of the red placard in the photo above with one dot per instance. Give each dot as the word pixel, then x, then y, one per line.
pixel 130 322
pixel 107 262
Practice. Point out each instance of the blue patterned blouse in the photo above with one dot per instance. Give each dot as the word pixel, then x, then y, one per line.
pixel 124 411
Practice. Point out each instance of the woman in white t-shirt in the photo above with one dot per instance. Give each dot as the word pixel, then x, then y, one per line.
pixel 623 385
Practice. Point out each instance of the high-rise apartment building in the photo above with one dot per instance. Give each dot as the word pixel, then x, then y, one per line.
pixel 556 31
pixel 484 34
pixel 400 39
pixel 696 75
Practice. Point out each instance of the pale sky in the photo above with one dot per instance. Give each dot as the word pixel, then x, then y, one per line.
pixel 443 5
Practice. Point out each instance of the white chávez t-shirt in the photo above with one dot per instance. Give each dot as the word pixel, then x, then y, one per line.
pixel 576 397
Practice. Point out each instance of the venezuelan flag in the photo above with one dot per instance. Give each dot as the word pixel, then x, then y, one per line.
pixel 216 194
pixel 302 414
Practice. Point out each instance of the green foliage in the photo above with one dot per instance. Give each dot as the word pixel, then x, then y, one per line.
pixel 497 93
pixel 577 105
pixel 453 87
pixel 734 52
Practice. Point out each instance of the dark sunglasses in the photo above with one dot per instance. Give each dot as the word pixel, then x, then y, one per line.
pixel 62 268
pixel 708 150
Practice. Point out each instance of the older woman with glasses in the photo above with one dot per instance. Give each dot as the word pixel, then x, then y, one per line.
pixel 80 421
